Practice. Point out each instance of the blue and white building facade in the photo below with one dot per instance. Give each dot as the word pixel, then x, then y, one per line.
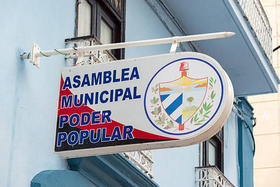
pixel 29 96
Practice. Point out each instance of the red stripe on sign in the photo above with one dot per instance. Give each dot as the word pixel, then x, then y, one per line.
pixel 139 134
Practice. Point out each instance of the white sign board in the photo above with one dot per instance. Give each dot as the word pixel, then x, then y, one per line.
pixel 152 102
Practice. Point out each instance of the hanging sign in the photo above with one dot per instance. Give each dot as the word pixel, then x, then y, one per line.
pixel 152 102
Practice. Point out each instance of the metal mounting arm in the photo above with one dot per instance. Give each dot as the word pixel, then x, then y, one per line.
pixel 36 53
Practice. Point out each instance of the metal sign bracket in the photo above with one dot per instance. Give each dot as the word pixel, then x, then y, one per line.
pixel 34 58
pixel 36 53
pixel 174 46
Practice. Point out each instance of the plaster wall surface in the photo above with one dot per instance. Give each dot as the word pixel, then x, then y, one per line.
pixel 142 24
pixel 176 166
pixel 28 96
pixel 231 166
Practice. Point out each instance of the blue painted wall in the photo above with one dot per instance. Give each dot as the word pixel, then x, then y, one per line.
pixel 176 166
pixel 28 96
pixel 231 164
pixel 143 24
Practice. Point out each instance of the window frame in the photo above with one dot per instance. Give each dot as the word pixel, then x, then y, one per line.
pixel 103 9
pixel 217 140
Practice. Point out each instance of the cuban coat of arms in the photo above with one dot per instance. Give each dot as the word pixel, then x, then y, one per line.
pixel 183 104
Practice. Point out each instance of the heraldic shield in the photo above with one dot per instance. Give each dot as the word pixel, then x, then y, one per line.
pixel 181 98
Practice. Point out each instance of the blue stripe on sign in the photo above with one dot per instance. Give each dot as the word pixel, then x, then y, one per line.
pixel 179 119
pixel 175 104
pixel 163 97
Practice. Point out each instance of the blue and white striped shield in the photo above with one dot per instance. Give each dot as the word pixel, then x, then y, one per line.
pixel 182 97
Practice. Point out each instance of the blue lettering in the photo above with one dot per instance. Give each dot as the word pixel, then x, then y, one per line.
pixel 116 134
pixel 85 119
pixel 106 116
pixel 119 93
pixel 127 132
pixel 62 120
pixel 83 135
pixel 89 98
pixel 95 117
pixel 74 120
pixel 111 95
pixel 135 96
pixel 78 102
pixel 67 83
pixel 104 137
pixel 96 97
pixel 107 77
pixel 85 81
pixel 61 138
pixel 127 94
pixel 115 79
pixel 72 138
pixel 96 79
pixel 76 81
pixel 102 98
pixel 125 74
pixel 95 139
pixel 66 101
pixel 134 74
